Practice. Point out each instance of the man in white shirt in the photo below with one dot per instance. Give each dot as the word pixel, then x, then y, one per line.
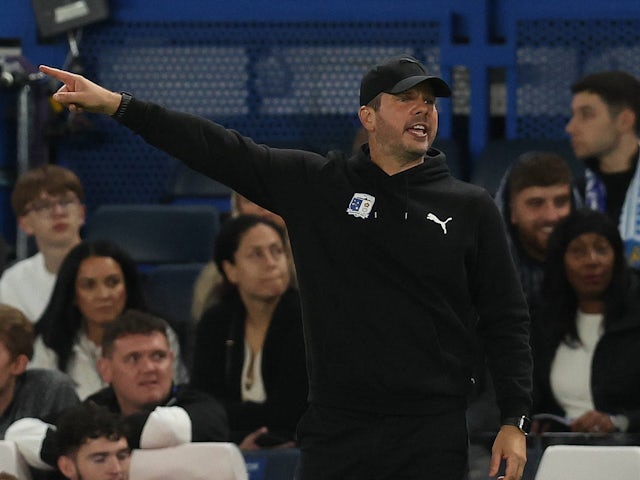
pixel 48 203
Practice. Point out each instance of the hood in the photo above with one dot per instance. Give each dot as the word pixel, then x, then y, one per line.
pixel 434 168
pixel 502 201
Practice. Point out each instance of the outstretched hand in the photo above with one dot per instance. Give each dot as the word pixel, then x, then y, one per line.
pixel 78 94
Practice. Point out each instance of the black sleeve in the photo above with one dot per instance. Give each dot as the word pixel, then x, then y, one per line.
pixel 503 312
pixel 210 349
pixel 208 417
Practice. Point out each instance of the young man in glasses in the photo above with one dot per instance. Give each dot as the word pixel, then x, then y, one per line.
pixel 48 203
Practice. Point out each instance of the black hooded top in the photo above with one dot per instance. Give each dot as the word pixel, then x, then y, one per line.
pixel 397 273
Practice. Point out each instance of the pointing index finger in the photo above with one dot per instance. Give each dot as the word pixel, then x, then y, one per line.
pixel 61 75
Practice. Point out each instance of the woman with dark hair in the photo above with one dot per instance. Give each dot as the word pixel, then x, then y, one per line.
pixel 97 281
pixel 249 349
pixel 587 332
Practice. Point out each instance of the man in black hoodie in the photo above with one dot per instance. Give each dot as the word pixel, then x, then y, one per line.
pixel 400 266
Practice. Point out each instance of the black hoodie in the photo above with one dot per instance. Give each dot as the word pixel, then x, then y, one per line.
pixel 393 294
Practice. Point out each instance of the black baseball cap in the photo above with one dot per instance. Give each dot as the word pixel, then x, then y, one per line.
pixel 397 75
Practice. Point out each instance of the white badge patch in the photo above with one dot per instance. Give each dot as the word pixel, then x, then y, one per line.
pixel 361 205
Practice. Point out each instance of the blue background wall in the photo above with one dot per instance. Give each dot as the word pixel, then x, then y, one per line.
pixel 539 47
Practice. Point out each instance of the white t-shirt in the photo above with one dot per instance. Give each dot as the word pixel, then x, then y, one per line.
pixel 252 386
pixel 82 366
pixel 27 286
pixel 571 368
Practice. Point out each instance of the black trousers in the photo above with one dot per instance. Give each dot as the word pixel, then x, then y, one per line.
pixel 347 445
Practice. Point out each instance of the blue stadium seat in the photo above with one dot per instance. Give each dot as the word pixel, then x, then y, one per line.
pixel 157 234
pixel 168 290
pixel 188 187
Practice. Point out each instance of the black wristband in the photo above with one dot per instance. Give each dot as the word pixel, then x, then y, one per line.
pixel 124 103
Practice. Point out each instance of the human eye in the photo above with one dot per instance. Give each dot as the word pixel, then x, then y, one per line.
pixel 99 458
pixel 113 281
pixel 123 454
pixel 41 207
pixel 132 358
pixel 562 201
pixel 602 248
pixel 535 202
pixel 66 202
pixel 587 113
pixel 276 251
pixel 159 355
pixel 86 283
pixel 256 254
pixel 576 251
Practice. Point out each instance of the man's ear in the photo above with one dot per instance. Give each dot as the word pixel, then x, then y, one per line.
pixel 626 119
pixel 19 364
pixel 104 369
pixel 25 225
pixel 67 467
pixel 83 213
pixel 367 116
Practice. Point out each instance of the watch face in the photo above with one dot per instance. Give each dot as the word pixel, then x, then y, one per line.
pixel 525 424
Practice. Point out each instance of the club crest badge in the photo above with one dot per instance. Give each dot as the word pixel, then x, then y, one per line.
pixel 361 205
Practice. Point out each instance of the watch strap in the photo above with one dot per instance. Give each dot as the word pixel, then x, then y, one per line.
pixel 522 422
pixel 124 103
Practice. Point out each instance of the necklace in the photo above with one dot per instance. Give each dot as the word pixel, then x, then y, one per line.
pixel 248 381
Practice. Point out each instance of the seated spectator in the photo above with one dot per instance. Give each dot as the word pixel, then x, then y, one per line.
pixel 96 283
pixel 137 364
pixel 207 283
pixel 88 442
pixel 26 393
pixel 249 348
pixel 588 329
pixel 604 129
pixel 47 202
pixel 91 444
pixel 534 195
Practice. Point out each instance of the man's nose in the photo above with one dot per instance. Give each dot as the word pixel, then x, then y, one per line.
pixel 422 108
pixel 57 208
pixel 569 127
pixel 115 465
pixel 554 214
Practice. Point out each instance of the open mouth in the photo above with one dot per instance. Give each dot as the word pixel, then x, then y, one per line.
pixel 148 383
pixel 419 130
